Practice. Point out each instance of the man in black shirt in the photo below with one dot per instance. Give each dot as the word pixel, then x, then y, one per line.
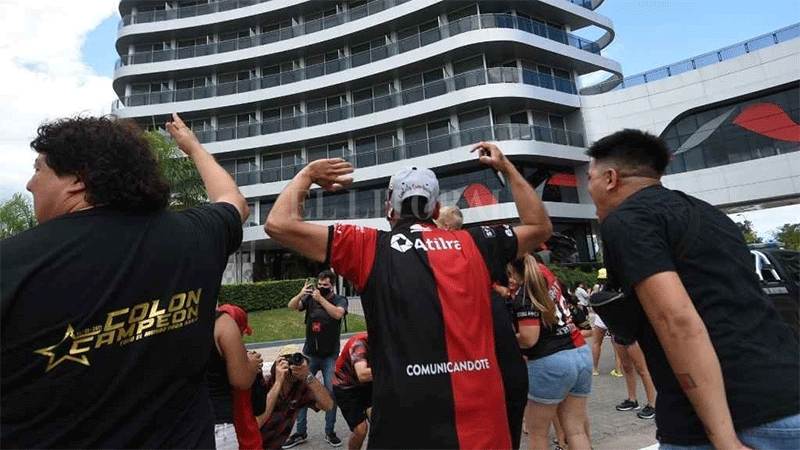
pixel 108 304
pixel 446 366
pixel 724 363
pixel 324 312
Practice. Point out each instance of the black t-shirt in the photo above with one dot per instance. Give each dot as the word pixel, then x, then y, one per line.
pixel 564 335
pixel 448 372
pixel 756 350
pixel 219 385
pixel 322 330
pixel 107 318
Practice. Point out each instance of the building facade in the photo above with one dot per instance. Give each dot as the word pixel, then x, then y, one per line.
pixel 271 85
pixel 730 117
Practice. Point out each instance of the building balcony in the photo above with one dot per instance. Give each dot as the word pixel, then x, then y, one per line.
pixel 476 22
pixel 432 89
pixel 504 132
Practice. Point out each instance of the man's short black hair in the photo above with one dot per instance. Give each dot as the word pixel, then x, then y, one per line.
pixel 327 274
pixel 414 206
pixel 637 152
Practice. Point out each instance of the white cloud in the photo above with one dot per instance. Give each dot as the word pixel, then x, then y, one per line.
pixel 43 75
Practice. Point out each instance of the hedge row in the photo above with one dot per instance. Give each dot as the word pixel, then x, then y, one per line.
pixel 570 276
pixel 261 295
pixel 276 294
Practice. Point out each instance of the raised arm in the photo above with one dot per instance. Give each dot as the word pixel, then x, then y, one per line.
pixel 535 225
pixel 219 184
pixel 679 327
pixel 285 223
pixel 295 303
pixel 241 368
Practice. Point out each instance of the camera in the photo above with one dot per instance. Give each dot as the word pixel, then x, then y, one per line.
pixel 295 359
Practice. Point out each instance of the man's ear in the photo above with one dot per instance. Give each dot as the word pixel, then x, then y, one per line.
pixel 436 211
pixel 613 178
pixel 77 186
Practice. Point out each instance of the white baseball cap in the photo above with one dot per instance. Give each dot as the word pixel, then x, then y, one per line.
pixel 410 182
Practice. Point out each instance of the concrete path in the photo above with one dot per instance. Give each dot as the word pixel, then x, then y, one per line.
pixel 610 429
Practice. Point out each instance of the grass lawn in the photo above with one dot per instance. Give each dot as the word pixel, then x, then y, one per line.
pixel 280 324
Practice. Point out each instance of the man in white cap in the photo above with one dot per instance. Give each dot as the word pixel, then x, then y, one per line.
pixel 447 372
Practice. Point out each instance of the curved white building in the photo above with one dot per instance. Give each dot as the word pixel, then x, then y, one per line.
pixel 269 86
pixel 731 118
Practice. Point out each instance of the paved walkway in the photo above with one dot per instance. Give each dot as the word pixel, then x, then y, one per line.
pixel 610 429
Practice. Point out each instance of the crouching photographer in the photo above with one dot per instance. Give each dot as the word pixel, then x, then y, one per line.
pixel 290 387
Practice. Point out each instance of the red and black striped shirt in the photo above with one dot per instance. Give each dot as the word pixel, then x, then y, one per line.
pixel 447 372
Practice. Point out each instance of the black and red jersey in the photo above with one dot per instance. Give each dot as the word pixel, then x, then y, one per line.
pixel 354 350
pixel 447 372
pixel 564 335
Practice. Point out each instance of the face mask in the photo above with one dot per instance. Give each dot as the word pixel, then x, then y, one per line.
pixel 324 291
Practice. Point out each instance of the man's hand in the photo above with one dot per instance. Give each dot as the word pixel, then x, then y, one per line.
pixel 281 370
pixel 330 174
pixel 308 289
pixel 255 361
pixel 491 155
pixel 184 137
pixel 300 371
pixel 317 296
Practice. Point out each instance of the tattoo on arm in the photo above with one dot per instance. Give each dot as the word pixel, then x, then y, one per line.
pixel 686 381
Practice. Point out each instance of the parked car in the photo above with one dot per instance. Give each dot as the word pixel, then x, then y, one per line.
pixel 779 272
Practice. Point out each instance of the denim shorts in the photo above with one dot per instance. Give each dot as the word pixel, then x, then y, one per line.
pixel 782 434
pixel 551 378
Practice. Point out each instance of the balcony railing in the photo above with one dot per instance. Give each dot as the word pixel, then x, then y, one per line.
pixel 227 5
pixel 436 88
pixel 466 79
pixel 506 132
pixel 730 52
pixel 584 3
pixel 410 43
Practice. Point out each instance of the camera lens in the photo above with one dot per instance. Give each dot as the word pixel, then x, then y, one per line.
pixel 295 359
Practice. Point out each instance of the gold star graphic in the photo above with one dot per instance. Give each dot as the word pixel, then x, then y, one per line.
pixel 53 351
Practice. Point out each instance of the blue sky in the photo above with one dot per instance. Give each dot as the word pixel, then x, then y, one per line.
pixel 62 60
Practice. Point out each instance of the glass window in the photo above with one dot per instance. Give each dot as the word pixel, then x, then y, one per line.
pixel 318 152
pixel 245 165
pixel 715 153
pixel 557 122
pixel 474 119
pixel 520 117
pixel 229 165
pixel 694 159
pixel 415 133
pixel 738 150
pixel 439 128
pixel 363 94
pixel 687 125
pixel 469 64
pixel 271 161
pixel 264 207
pixel 411 81
pixel 386 140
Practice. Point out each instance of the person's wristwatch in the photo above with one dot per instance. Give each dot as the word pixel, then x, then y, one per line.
pixel 309 378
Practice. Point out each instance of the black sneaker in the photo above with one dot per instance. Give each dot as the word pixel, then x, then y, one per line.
pixel 628 405
pixel 648 412
pixel 333 439
pixel 294 440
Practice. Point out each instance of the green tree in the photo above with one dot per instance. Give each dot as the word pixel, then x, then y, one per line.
pixel 789 235
pixel 16 215
pixel 187 186
pixel 750 235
